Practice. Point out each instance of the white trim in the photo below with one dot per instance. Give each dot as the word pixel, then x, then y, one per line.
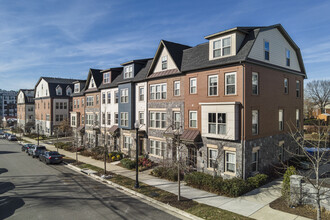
pixel 208 84
pixel 219 103
pixel 231 73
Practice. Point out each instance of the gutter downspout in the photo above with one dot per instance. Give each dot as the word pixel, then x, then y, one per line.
pixel 243 123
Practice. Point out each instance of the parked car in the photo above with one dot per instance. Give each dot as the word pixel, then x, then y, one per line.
pixel 30 150
pixel 7 135
pixel 38 150
pixel 25 147
pixel 51 157
pixel 12 138
pixel 2 134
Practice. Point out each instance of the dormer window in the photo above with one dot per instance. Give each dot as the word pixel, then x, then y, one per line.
pixel 68 91
pixel 106 78
pixel 59 90
pixel 164 62
pixel 128 72
pixel 222 47
pixel 76 88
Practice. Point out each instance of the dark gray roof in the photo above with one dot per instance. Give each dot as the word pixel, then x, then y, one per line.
pixel 98 78
pixel 28 95
pixel 176 51
pixel 59 80
pixel 142 74
pixel 82 89
pixel 115 80
pixel 53 82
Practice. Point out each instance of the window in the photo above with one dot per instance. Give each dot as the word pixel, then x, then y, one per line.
pixel 230 79
pixel 124 119
pixel 57 105
pixel 73 120
pixel 141 93
pixel 193 119
pixel 266 49
pixel 297 88
pixel 157 148
pixel 109 118
pixel 177 120
pixel 230 165
pixel 217 123
pixel 255 161
pixel 74 104
pixel 106 77
pixel 176 88
pixel 44 105
pixel 82 119
pixel 255 83
pixel 254 121
pixel 280 120
pixel 68 91
pixel 97 99
pixel 286 85
pixel 116 97
pixel 212 157
pixel 157 119
pixel 193 86
pixel 109 97
pixel 222 47
pixel 128 72
pixel 297 118
pixel 116 117
pixel 47 117
pixel 141 118
pixel 76 87
pixel 89 119
pixel 287 55
pixel 213 85
pixel 164 62
pixel 127 142
pixel 61 105
pixel 103 118
pixel 124 96
pixel 65 105
pixel 77 103
pixel 90 100
pixel 158 91
pixel 92 83
pixel 103 98
pixel 58 90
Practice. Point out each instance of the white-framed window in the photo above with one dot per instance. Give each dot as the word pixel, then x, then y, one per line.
pixel 193 119
pixel 124 119
pixel 255 123
pixel 230 83
pixel 266 49
pixel 109 118
pixel 127 142
pixel 74 104
pixel 82 102
pixel 177 120
pixel 297 118
pixel 89 119
pixel 287 57
pixel 97 99
pixel 116 117
pixel 158 120
pixel 116 97
pixel 297 88
pixel 230 161
pixel 164 62
pixel 89 100
pixel 286 85
pixel 92 83
pixel 68 91
pixel 109 97
pixel 141 93
pixel 59 90
pixel 124 96
pixel 157 147
pixel 141 118
pixel 77 104
pixel 103 98
pixel 193 85
pixel 158 91
pixel 128 72
pixel 280 119
pixel 255 161
pixel 255 83
pixel 213 85
pixel 106 78
pixel 212 155
pixel 76 87
pixel 61 105
pixel 176 87
pixel 217 123
pixel 96 119
pixel 103 118
pixel 222 47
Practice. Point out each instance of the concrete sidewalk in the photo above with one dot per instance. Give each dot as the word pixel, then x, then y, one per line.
pixel 254 204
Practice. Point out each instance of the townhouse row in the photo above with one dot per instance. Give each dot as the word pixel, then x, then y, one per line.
pixel 231 101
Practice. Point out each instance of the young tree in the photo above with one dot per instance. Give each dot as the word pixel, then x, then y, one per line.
pixel 319 92
pixel 65 127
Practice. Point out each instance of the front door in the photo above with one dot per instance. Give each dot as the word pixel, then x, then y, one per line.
pixel 192 156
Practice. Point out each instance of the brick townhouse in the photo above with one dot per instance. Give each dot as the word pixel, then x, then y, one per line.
pixel 25 109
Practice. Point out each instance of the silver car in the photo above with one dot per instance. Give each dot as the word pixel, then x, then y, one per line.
pixel 37 150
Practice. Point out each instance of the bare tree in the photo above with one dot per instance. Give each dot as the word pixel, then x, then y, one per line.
pixel 319 92
pixel 318 160
pixel 65 127
pixel 309 107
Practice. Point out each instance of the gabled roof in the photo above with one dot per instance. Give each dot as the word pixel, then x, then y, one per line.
pixel 28 95
pixel 82 88
pixel 175 50
pixel 140 76
pixel 97 76
pixel 54 82
pixel 136 61
pixel 114 79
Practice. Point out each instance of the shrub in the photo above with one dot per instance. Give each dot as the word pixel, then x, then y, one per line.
pixel 169 173
pixel 128 164
pixel 286 182
pixel 257 180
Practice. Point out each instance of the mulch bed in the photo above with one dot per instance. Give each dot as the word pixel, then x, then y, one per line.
pixel 302 210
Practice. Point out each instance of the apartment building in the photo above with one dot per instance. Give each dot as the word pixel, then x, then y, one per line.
pixel 8 107
pixel 92 108
pixel 52 103
pixel 25 109
pixel 77 115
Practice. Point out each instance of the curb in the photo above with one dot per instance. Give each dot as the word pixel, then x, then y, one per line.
pixel 163 205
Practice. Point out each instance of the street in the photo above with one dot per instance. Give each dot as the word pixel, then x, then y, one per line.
pixel 30 189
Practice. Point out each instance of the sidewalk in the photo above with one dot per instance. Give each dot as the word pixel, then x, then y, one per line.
pixel 254 204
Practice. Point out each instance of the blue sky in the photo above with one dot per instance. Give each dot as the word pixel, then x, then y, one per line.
pixel 65 38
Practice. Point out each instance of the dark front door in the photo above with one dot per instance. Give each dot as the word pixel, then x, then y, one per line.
pixel 192 156
pixel 141 146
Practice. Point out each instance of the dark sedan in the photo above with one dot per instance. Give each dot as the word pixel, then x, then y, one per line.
pixel 51 157
pixel 25 147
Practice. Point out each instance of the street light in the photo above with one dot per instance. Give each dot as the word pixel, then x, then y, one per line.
pixel 38 133
pixel 137 126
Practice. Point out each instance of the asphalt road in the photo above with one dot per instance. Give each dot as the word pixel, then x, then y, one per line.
pixel 30 189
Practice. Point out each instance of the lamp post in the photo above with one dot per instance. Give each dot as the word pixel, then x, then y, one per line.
pixel 137 126
pixel 38 133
